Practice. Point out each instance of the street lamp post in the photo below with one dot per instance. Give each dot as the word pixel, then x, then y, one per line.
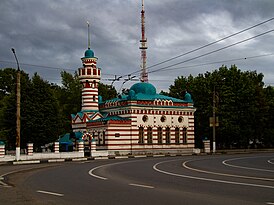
pixel 214 122
pixel 18 96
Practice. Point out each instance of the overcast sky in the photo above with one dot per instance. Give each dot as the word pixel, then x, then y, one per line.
pixel 53 33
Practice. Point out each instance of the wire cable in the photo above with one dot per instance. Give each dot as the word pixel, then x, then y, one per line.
pixel 48 67
pixel 214 51
pixel 212 43
pixel 207 45
pixel 222 61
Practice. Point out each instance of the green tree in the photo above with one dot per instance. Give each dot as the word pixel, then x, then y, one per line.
pixel 41 115
pixel 69 98
pixel 268 137
pixel 106 91
pixel 241 106
pixel 8 104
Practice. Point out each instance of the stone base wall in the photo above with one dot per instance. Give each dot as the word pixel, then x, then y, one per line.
pixel 48 155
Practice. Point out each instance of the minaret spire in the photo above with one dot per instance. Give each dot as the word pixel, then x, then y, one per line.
pixel 88 35
pixel 143 46
pixel 89 76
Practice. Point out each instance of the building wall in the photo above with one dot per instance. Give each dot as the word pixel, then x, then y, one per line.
pixel 125 138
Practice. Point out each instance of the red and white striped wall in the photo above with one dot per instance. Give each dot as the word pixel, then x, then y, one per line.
pixel 89 76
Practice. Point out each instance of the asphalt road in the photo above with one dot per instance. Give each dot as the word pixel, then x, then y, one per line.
pixel 223 179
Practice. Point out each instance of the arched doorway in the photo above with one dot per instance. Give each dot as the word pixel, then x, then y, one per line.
pixel 87 138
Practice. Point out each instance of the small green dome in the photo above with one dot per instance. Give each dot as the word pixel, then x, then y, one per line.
pixel 188 97
pixel 144 88
pixel 89 53
pixel 100 99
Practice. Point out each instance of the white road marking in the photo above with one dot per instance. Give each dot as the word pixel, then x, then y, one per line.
pixel 12 172
pixel 223 174
pixel 143 186
pixel 3 184
pixel 50 193
pixel 270 203
pixel 270 161
pixel 104 178
pixel 94 175
pixel 242 167
pixel 206 179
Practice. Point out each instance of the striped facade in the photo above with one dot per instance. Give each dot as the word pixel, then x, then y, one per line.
pixel 137 123
pixel 145 131
pixel 89 76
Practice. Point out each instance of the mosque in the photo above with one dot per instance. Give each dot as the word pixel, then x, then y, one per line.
pixel 140 122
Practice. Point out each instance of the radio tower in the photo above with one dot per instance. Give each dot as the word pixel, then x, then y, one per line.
pixel 143 47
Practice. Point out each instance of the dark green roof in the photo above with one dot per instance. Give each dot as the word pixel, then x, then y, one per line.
pixel 66 138
pixel 115 118
pixel 144 88
pixel 146 91
pixel 81 113
pixel 89 53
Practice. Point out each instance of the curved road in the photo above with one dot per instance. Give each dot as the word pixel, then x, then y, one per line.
pixel 224 179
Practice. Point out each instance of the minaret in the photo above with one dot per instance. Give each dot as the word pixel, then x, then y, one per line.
pixel 89 76
pixel 143 47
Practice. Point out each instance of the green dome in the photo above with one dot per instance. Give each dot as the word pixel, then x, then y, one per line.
pixel 144 88
pixel 89 54
pixel 188 97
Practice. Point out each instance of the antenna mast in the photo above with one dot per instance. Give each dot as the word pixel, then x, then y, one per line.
pixel 88 36
pixel 143 47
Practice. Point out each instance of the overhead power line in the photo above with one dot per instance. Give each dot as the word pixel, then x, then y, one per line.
pixel 38 66
pixel 218 62
pixel 214 51
pixel 166 68
pixel 207 45
pixel 199 65
pixel 47 67
pixel 212 43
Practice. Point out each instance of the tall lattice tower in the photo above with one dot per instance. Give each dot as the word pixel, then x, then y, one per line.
pixel 143 47
pixel 89 76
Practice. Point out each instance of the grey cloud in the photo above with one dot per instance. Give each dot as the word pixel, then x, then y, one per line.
pixel 54 33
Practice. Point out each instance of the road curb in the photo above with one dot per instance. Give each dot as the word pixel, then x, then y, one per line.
pixel 79 159
pixel 26 162
pixel 55 160
pixel 91 158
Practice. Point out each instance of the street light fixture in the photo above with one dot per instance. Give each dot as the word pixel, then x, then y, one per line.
pixel 18 96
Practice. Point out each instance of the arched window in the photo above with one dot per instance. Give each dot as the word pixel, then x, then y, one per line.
pixel 167 135
pixel 88 71
pixel 141 135
pixel 104 138
pixel 177 135
pixel 184 135
pixel 149 136
pixel 160 135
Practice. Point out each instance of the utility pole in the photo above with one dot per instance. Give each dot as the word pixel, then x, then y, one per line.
pixel 214 121
pixel 18 97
